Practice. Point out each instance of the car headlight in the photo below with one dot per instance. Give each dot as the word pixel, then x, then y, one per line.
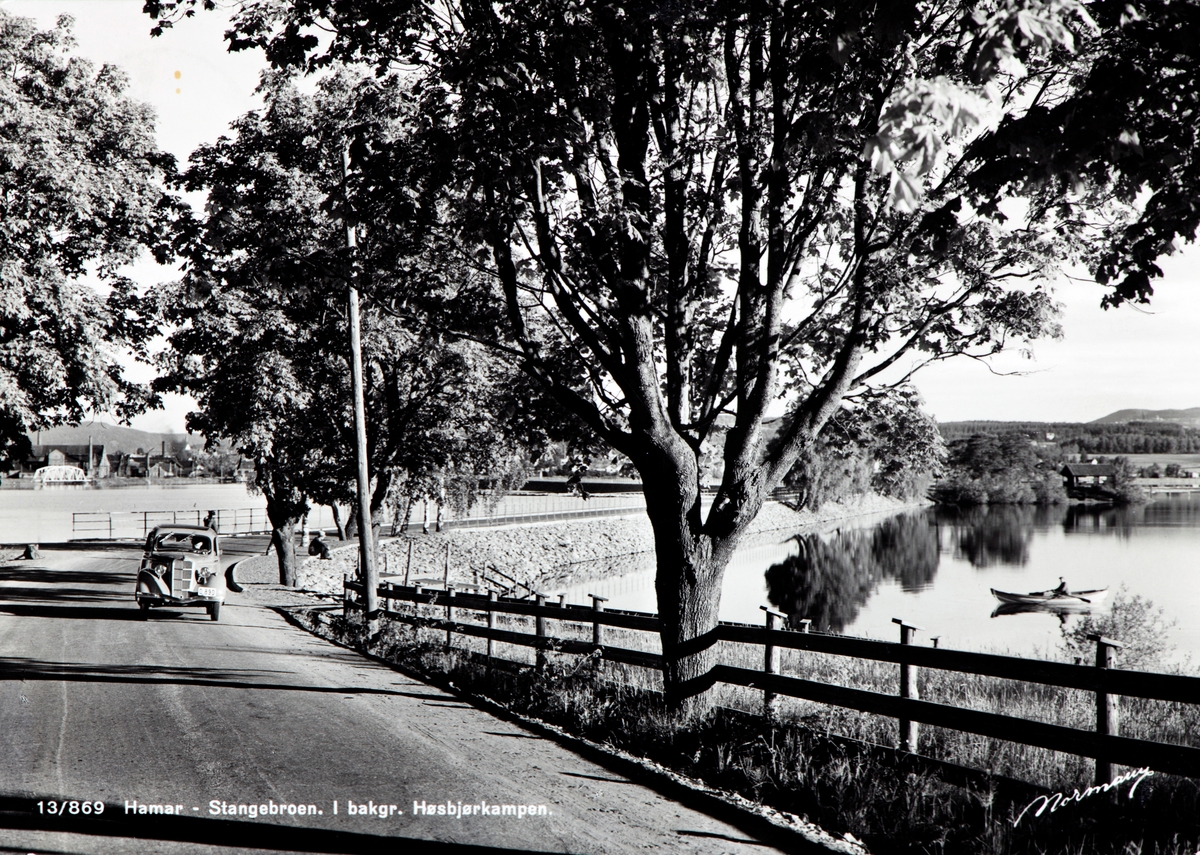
pixel 159 570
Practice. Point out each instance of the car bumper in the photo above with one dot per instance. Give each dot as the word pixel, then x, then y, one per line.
pixel 158 600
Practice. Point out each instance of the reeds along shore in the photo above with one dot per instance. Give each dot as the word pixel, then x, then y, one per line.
pixel 818 761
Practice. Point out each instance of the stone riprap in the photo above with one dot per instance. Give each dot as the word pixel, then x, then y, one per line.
pixel 556 552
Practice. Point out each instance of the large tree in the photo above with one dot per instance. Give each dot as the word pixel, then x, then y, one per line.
pixel 259 319
pixel 710 204
pixel 81 192
pixel 259 326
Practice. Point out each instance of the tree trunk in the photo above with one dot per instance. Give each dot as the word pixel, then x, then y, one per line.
pixel 337 521
pixel 407 516
pixel 284 540
pixel 691 554
pixel 286 506
pixel 690 568
pixel 689 573
pixel 379 506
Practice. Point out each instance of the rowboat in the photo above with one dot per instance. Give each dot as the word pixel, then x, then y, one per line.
pixel 1052 598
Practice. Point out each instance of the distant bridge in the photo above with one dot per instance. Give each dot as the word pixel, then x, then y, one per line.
pixel 60 475
pixel 1169 485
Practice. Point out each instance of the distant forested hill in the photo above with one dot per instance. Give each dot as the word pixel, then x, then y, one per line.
pixel 1190 418
pixel 1135 437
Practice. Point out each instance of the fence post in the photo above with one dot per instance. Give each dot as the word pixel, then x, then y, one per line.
pixel 408 566
pixel 771 664
pixel 475 579
pixel 541 632
pixel 387 597
pixel 446 574
pixel 908 688
pixel 1107 711
pixel 449 612
pixel 345 596
pixel 597 627
pixel 492 597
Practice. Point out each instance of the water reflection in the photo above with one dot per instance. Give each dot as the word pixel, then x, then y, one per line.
pixel 987 535
pixel 1103 519
pixel 1178 511
pixel 828 581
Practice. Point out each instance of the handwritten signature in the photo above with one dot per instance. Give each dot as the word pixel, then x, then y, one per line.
pixel 1057 800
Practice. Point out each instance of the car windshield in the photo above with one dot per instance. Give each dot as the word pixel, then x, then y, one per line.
pixel 179 541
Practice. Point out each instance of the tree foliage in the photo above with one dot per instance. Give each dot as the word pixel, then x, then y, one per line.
pixel 886 445
pixel 1001 469
pixel 260 317
pixel 81 193
pixel 692 208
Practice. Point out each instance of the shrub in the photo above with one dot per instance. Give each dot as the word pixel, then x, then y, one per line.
pixel 1131 620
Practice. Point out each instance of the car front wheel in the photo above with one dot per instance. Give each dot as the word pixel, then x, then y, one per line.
pixel 214 611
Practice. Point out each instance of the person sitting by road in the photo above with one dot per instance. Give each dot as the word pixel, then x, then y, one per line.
pixel 319 546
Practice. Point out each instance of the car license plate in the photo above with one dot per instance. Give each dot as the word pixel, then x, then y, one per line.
pixel 207 593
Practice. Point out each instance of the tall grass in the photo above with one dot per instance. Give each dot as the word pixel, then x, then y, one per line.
pixel 836 767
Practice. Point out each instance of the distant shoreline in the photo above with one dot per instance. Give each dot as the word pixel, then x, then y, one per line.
pixel 117 484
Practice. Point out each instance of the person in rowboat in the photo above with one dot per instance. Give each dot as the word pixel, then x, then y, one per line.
pixel 1061 590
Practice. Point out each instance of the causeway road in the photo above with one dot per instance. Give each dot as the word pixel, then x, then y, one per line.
pixel 183 728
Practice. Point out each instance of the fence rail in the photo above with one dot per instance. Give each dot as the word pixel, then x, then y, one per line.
pixel 524 508
pixel 114 524
pixel 1103 744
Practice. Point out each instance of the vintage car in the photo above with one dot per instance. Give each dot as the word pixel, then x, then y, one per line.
pixel 181 566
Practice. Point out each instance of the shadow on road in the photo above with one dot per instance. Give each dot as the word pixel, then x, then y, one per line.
pixel 133 613
pixel 22 813
pixel 48 575
pixel 14 668
pixel 66 595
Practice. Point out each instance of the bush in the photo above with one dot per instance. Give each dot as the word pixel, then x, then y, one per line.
pixel 1131 620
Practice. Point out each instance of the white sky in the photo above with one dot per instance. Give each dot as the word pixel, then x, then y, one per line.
pixel 1107 360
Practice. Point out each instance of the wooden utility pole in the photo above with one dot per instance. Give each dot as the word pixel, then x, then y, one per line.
pixel 366 536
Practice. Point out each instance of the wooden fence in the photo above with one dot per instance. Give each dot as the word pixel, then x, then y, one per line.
pixel 1104 744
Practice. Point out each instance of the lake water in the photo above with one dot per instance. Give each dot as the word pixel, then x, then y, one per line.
pixel 44 515
pixel 935 568
pixel 932 567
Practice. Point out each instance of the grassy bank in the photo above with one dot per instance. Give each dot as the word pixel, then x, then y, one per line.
pixel 835 767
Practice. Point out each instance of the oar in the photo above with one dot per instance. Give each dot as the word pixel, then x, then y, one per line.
pixel 1073 596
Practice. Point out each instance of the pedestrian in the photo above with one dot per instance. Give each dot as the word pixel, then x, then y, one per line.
pixel 318 546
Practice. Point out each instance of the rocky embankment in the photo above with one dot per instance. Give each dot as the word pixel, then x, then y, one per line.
pixel 554 552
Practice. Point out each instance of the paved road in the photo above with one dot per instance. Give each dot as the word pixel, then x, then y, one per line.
pixel 100 705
